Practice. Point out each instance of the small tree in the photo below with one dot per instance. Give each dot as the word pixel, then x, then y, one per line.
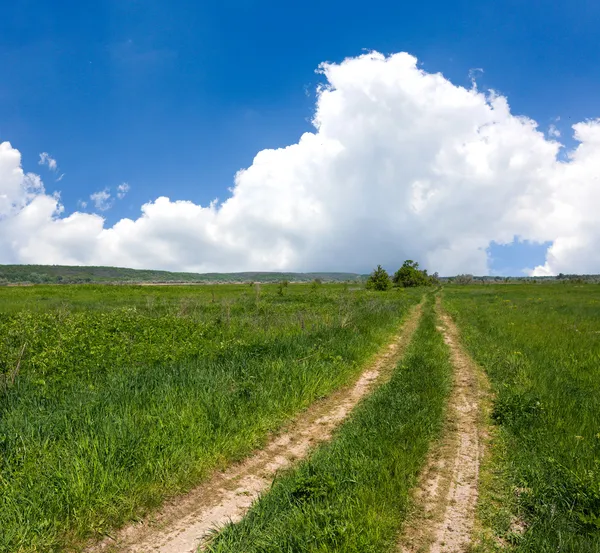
pixel 409 275
pixel 379 280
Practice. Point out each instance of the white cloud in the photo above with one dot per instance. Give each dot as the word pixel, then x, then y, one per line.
pixel 473 74
pixel 102 200
pixel 17 188
pixel 401 164
pixel 122 190
pixel 46 159
pixel 553 131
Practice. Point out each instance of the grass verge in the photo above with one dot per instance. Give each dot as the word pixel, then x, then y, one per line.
pixel 352 494
pixel 540 346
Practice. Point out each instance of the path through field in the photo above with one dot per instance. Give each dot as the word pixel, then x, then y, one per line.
pixel 447 493
pixel 185 523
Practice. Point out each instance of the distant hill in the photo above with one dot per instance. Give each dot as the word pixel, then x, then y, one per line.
pixel 62 274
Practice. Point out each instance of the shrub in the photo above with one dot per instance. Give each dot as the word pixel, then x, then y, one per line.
pixel 379 280
pixel 409 276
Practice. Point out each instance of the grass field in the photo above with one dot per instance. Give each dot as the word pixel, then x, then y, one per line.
pixel 540 346
pixel 115 397
pixel 125 395
pixel 352 494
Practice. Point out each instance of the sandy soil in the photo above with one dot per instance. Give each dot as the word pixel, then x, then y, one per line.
pixel 184 523
pixel 447 493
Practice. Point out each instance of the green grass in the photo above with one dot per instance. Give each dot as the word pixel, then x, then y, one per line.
pixel 126 395
pixel 149 299
pixel 352 494
pixel 540 346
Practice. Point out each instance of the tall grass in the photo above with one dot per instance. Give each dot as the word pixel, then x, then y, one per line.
pixel 540 346
pixel 352 494
pixel 115 408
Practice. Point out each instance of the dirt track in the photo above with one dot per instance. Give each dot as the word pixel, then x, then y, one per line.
pixel 184 523
pixel 447 493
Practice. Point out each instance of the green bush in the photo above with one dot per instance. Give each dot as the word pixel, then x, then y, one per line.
pixel 410 276
pixel 379 280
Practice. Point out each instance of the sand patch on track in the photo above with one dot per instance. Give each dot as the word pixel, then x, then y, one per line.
pixel 184 523
pixel 446 496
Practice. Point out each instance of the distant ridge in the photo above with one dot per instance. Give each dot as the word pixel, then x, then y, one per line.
pixel 64 274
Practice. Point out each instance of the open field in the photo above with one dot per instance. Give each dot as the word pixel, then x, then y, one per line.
pixel 537 489
pixel 540 346
pixel 188 521
pixel 113 398
pixel 126 395
pixel 353 493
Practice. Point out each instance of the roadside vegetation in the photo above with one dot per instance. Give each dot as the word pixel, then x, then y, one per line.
pixel 353 493
pixel 113 398
pixel 540 346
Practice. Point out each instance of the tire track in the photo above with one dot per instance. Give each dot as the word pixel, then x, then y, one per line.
pixel 185 523
pixel 446 497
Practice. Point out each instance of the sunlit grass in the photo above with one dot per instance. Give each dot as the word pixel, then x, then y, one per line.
pixel 540 346
pixel 126 395
pixel 352 494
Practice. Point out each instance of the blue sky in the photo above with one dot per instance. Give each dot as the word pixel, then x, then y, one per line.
pixel 175 97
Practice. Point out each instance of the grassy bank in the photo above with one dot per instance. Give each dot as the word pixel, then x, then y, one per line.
pixel 541 349
pixel 127 395
pixel 352 494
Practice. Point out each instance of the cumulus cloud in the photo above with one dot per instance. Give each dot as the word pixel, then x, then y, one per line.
pixel 401 164
pixel 553 131
pixel 122 190
pixel 46 159
pixel 102 200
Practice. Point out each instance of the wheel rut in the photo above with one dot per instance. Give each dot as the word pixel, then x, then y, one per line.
pixel 446 497
pixel 186 523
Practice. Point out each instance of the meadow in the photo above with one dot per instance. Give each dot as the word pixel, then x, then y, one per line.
pixel 540 346
pixel 113 398
pixel 353 494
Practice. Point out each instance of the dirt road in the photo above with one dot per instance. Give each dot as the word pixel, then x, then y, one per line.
pixel 447 494
pixel 184 523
